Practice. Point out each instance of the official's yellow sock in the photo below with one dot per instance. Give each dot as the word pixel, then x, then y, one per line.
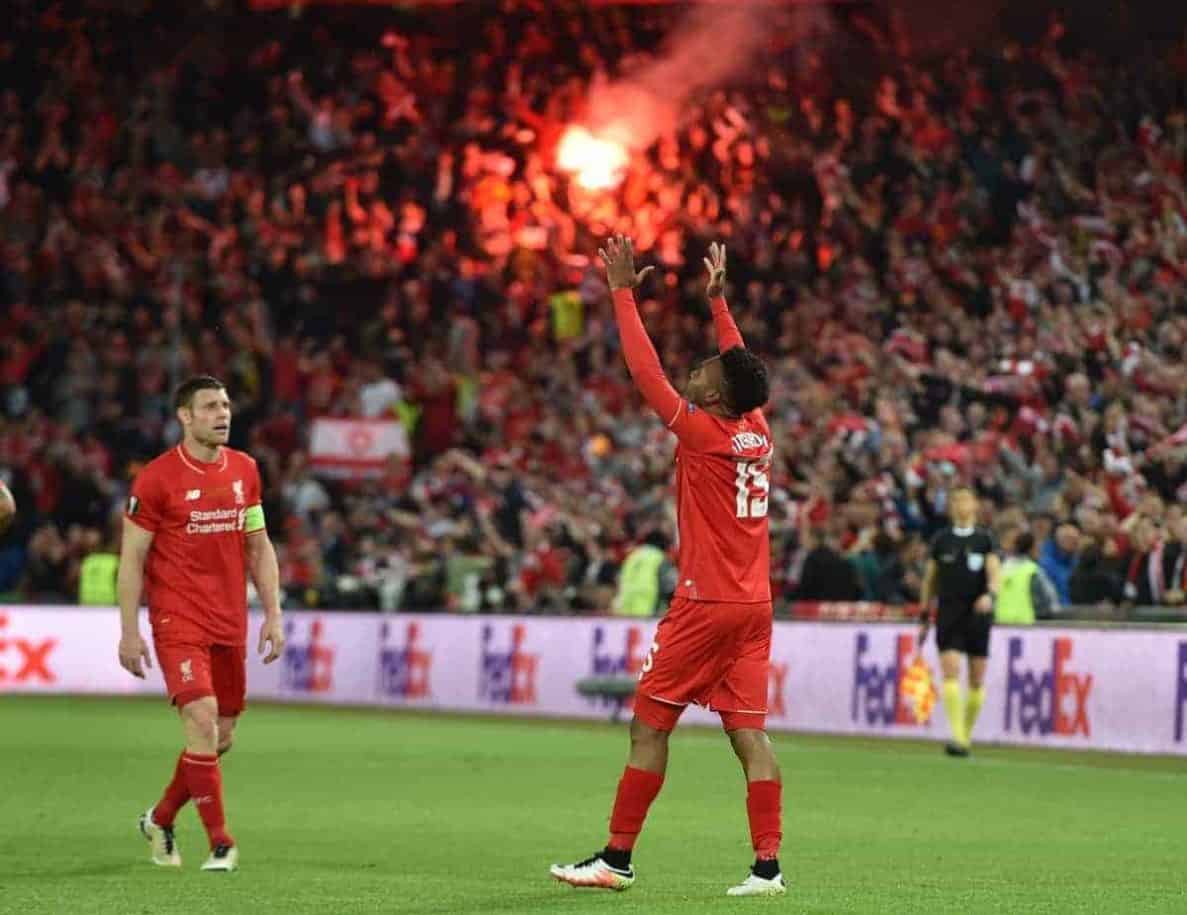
pixel 972 708
pixel 954 708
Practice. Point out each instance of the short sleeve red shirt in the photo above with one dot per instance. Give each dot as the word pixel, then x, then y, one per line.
pixel 195 576
pixel 722 487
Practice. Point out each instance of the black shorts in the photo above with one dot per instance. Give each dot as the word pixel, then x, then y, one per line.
pixel 967 633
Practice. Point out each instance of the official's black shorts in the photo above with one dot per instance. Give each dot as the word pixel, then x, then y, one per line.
pixel 967 633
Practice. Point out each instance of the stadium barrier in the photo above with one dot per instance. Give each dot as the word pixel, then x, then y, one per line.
pixel 1110 689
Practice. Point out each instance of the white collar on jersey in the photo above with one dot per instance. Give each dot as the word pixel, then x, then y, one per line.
pixel 963 531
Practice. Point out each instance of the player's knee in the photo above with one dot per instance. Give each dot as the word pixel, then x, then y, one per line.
pixel 755 753
pixel 643 734
pixel 748 741
pixel 751 744
pixel 201 718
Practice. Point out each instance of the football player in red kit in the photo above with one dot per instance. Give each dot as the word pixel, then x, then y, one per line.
pixel 713 646
pixel 194 529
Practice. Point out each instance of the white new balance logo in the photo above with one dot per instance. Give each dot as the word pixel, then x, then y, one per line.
pixel 193 495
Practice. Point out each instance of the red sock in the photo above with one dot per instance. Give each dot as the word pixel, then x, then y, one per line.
pixel 177 792
pixel 205 781
pixel 636 790
pixel 764 806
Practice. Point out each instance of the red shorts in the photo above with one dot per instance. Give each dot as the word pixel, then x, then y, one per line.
pixel 194 669
pixel 716 655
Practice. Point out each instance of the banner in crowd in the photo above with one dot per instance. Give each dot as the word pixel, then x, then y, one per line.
pixel 355 447
pixel 1115 689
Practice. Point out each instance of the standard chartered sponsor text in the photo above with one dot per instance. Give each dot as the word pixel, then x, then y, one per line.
pixel 216 521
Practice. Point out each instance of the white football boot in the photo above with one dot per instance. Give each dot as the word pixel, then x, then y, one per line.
pixel 224 858
pixel 160 839
pixel 594 872
pixel 757 886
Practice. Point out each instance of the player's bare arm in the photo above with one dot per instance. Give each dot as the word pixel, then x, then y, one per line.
pixel 133 650
pixel 993 571
pixel 926 595
pixel 265 572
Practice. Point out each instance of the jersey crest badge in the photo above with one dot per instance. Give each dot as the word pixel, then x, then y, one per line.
pixel 237 489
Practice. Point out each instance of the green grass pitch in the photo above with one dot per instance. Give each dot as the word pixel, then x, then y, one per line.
pixel 346 811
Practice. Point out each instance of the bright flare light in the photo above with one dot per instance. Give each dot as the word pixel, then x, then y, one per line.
pixel 598 164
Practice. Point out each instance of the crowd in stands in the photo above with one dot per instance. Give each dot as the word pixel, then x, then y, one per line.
pixel 967 268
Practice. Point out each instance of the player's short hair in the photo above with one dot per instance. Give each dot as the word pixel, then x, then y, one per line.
pixel 184 395
pixel 747 386
pixel 1024 543
pixel 957 490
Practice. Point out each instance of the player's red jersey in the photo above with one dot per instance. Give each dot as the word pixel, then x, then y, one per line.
pixel 722 484
pixel 195 577
pixel 722 474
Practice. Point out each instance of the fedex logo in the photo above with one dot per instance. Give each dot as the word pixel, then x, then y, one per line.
pixel 777 689
pixel 507 676
pixel 1181 693
pixel 877 696
pixel 24 660
pixel 1051 701
pixel 308 662
pixel 404 669
pixel 606 662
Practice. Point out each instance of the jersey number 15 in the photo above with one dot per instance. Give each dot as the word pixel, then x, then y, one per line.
pixel 753 488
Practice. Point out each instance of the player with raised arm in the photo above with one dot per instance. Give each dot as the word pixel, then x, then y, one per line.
pixel 193 530
pixel 713 646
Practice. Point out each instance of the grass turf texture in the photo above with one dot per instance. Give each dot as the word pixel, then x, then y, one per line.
pixel 346 811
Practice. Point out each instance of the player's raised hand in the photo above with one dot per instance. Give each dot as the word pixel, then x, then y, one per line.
pixel 715 264
pixel 619 257
pixel 271 638
pixel 133 652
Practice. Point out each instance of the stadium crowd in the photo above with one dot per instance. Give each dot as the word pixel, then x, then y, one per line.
pixel 963 269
